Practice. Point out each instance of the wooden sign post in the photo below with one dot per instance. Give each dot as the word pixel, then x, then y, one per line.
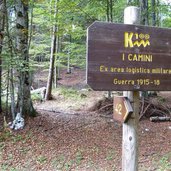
pixel 130 129
pixel 131 58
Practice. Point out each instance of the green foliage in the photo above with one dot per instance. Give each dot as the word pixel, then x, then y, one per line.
pixel 73 18
pixel 164 164
pixel 79 157
pixel 5 135
pixel 17 138
pixel 69 93
pixel 57 162
pixel 165 15
pixel 110 155
pixel 167 22
pixel 41 159
pixel 161 99
pixel 36 97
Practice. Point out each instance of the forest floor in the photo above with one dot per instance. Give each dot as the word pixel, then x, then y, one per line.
pixel 70 133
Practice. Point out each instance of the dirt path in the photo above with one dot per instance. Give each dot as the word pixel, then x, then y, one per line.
pixel 72 138
pixel 82 141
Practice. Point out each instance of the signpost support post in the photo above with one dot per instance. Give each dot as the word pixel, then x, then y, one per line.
pixel 130 137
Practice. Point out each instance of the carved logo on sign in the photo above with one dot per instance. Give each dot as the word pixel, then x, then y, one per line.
pixel 140 40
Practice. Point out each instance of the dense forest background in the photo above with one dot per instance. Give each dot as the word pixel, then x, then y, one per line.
pixel 52 33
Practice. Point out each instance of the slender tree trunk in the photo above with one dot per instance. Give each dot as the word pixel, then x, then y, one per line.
pixel 109 14
pixel 10 68
pixel 157 13
pixel 144 21
pixel 111 10
pixel 69 56
pixel 31 23
pixel 25 106
pixel 144 12
pixel 12 93
pixel 52 57
pixel 57 66
pixel 153 9
pixel 107 11
pixel 2 23
pixel 147 13
pixel 7 94
pixel 153 14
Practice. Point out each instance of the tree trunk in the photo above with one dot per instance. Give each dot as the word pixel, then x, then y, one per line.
pixel 10 82
pixel 52 58
pixel 157 13
pixel 2 23
pixel 144 12
pixel 111 10
pixel 153 9
pixel 69 56
pixel 24 106
pixel 57 67
pixel 109 14
pixel 107 11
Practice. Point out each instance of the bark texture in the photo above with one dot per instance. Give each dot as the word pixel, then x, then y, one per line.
pixel 2 23
pixel 153 8
pixel 109 10
pixel 52 57
pixel 144 12
pixel 24 106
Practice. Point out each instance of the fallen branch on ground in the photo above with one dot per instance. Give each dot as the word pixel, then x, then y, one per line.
pixel 57 111
pixel 109 105
pixel 158 119
pixel 154 108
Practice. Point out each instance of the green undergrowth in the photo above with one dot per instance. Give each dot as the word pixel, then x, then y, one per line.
pixel 36 97
pixel 71 93
pixel 162 163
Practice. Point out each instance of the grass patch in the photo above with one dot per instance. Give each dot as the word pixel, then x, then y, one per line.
pixel 79 157
pixel 41 159
pixel 6 167
pixel 5 135
pixel 71 93
pixel 58 162
pixel 17 138
pixel 110 155
pixel 165 163
pixel 159 163
pixel 62 163
pixel 2 145
pixel 36 97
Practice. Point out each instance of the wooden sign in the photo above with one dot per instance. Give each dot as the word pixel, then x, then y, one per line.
pixel 122 108
pixel 128 57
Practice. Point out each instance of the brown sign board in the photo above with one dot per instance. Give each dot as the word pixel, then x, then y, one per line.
pixel 122 109
pixel 128 57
